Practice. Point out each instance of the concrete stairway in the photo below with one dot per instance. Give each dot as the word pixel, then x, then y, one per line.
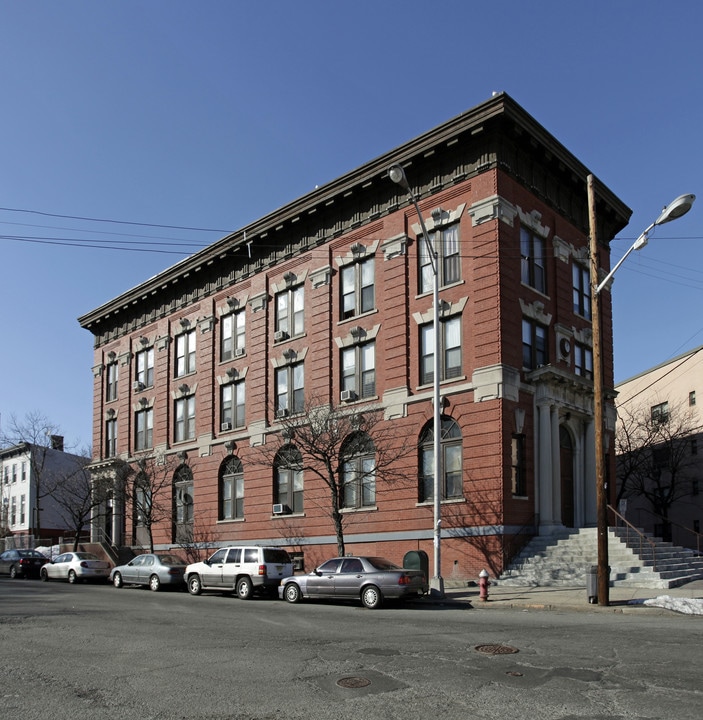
pixel 566 556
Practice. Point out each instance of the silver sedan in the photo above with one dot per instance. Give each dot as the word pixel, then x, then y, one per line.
pixel 75 567
pixel 369 579
pixel 152 569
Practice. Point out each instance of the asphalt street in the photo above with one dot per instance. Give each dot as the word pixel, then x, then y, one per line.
pixel 85 651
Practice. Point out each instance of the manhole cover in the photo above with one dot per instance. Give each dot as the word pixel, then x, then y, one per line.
pixel 353 682
pixel 496 649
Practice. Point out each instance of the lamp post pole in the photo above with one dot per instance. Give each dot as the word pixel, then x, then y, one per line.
pixel 397 175
pixel 678 207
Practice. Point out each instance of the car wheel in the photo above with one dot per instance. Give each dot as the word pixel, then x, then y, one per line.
pixel 72 577
pixel 244 588
pixel 44 575
pixel 195 587
pixel 292 593
pixel 371 597
pixel 154 583
pixel 117 580
pixel 13 572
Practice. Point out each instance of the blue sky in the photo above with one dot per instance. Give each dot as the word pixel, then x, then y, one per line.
pixel 209 115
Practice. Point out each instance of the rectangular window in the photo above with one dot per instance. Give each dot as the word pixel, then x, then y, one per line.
pixel 232 341
pixel 13 511
pixel 232 406
pixel 185 353
pixel 289 488
pixel 14 473
pixel 184 424
pixel 359 371
pixel 290 389
pixel 145 368
pixel 581 291
pixel 583 361
pixel 519 483
pixel 450 350
pixel 111 382
pixel 111 438
pixel 24 471
pixel 534 345
pixel 290 313
pixel 144 429
pixel 359 482
pixel 358 289
pixel 532 266
pixel 660 413
pixel 233 497
pixel 23 509
pixel 692 398
pixel 446 244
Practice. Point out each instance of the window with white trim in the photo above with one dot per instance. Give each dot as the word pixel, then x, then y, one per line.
pixel 290 389
pixel 232 405
pixel 359 370
pixel 445 242
pixel 185 353
pixel 449 348
pixel 184 419
pixel 290 312
pixel 358 289
pixel 232 340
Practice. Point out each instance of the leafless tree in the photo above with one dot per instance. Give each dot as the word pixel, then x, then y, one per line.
pixel 354 452
pixel 80 498
pixel 42 437
pixel 654 458
pixel 148 492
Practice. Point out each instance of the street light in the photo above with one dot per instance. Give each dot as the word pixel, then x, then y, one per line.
pixel 674 210
pixel 397 175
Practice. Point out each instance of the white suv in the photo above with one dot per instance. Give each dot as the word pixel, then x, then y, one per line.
pixel 244 570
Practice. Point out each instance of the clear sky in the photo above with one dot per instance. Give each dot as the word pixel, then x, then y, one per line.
pixel 187 120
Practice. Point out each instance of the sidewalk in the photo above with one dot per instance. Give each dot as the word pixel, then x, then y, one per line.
pixel 687 598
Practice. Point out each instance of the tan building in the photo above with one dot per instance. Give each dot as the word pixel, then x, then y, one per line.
pixel 669 395
pixel 330 298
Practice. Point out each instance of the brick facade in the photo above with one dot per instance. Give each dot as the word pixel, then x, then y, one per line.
pixel 488 173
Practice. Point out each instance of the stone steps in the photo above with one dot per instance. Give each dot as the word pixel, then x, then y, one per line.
pixel 567 556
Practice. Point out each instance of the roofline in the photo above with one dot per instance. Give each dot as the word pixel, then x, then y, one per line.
pixel 682 356
pixel 500 104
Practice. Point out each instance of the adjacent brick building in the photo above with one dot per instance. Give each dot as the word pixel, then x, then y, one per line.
pixel 330 298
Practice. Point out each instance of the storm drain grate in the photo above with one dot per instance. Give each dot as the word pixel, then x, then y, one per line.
pixel 353 682
pixel 496 649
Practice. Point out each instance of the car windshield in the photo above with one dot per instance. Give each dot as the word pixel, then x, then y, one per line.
pixel 170 560
pixel 382 564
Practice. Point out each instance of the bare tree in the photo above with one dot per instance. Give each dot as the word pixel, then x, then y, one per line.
pixel 351 449
pixel 42 437
pixel 148 491
pixel 654 459
pixel 80 498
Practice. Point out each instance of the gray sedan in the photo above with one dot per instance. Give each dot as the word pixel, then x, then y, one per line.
pixel 369 579
pixel 152 569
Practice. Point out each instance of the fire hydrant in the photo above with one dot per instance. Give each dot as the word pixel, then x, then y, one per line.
pixel 483 584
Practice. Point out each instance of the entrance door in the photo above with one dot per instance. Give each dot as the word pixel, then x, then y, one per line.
pixel 566 457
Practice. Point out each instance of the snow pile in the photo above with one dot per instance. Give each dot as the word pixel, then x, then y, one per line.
pixel 687 606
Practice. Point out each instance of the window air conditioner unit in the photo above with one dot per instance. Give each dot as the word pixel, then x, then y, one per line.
pixel 136 385
pixel 280 335
pixel 347 395
pixel 239 352
pixel 282 413
pixel 226 426
pixel 279 509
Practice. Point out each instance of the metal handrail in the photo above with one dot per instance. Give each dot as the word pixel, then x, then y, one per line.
pixel 642 537
pixel 697 535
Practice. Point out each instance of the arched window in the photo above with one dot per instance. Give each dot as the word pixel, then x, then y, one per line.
pixel 231 489
pixel 288 479
pixel 183 504
pixel 358 471
pixel 451 482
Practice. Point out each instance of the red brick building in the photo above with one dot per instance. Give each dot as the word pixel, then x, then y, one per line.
pixel 329 298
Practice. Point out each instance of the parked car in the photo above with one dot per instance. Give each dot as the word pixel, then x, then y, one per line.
pixel 76 567
pixel 154 570
pixel 244 570
pixel 21 563
pixel 369 579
